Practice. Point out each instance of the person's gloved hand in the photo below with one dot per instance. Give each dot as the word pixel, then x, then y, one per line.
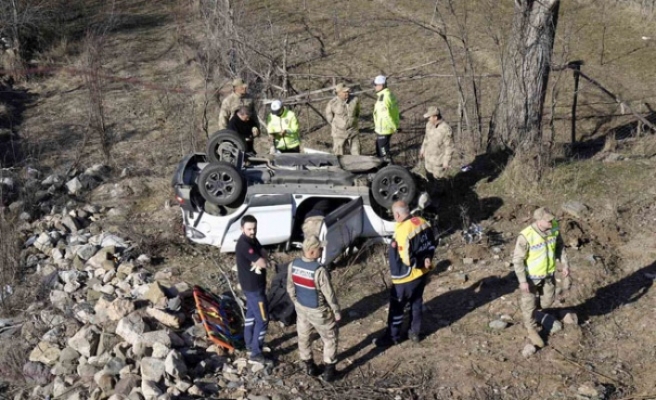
pixel 255 131
pixel 255 268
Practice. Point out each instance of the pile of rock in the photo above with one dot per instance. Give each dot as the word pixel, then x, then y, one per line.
pixel 110 329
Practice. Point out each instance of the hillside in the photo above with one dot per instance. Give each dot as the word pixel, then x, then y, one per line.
pixel 160 99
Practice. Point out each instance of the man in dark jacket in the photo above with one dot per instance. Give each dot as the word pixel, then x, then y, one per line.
pixel 245 125
pixel 251 271
pixel 410 257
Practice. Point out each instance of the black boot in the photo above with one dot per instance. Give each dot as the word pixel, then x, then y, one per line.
pixel 329 373
pixel 311 368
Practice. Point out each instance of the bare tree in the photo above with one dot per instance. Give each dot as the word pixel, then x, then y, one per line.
pixel 517 123
pixel 95 82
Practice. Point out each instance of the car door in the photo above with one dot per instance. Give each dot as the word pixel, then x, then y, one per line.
pixel 340 228
pixel 274 220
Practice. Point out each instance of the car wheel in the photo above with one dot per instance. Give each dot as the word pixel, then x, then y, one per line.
pixel 391 184
pixel 221 184
pixel 222 145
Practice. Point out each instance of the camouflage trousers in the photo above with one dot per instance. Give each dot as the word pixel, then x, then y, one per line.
pixel 323 322
pixel 540 295
pixel 342 143
pixel 312 225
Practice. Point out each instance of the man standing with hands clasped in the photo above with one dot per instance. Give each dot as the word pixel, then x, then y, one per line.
pixel 538 248
pixel 386 117
pixel 342 113
pixel 437 148
pixel 308 284
pixel 251 271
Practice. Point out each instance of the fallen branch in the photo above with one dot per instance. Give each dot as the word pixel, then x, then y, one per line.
pixel 599 374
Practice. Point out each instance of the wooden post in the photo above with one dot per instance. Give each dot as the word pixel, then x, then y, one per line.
pixel 459 129
pixel 576 67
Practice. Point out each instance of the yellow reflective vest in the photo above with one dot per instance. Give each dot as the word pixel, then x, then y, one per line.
pixel 276 125
pixel 386 113
pixel 541 257
pixel 413 241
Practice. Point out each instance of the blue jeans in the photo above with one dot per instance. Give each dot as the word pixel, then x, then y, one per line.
pixel 256 322
pixel 402 294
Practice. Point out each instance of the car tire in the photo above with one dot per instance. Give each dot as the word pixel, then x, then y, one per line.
pixel 221 184
pixel 391 184
pixel 226 139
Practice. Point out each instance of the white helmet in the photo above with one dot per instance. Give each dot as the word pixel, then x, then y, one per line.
pixel 380 80
pixel 276 105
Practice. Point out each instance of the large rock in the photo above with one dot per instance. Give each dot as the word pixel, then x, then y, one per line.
pixel 131 328
pixel 69 276
pixel 85 341
pixel 119 309
pixel 85 252
pixel 101 309
pixel 159 336
pixel 63 368
pixel 114 365
pixel 77 240
pixel 46 353
pixel 104 380
pixel 74 186
pixel 69 354
pixel 36 373
pixel 58 387
pixel 86 371
pixel 126 268
pixel 174 365
pixel 43 242
pixel 150 389
pixel 160 350
pixel 60 300
pixel 125 385
pixel 152 369
pixel 163 317
pixel 155 293
pixel 99 260
pixel 112 240
pixel 51 317
pixel 575 208
pixel 70 224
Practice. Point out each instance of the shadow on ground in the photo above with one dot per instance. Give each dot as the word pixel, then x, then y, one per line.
pixel 627 290
pixel 441 311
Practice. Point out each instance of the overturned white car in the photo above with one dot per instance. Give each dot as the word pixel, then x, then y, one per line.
pixel 217 189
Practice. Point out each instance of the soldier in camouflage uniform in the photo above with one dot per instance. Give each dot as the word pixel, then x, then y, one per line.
pixel 342 112
pixel 308 284
pixel 437 148
pixel 237 99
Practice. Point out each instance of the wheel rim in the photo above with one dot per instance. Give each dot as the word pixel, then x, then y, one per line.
pixel 220 185
pixel 394 188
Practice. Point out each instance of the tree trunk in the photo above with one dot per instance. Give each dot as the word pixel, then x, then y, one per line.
pixel 525 72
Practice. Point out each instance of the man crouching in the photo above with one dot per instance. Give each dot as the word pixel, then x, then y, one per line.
pixel 308 284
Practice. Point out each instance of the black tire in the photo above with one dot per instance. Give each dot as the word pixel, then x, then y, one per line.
pixel 227 139
pixel 391 184
pixel 221 184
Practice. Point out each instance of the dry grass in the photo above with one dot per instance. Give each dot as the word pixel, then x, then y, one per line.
pixel 9 266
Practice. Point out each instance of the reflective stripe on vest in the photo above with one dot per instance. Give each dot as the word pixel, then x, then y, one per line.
pixel 278 124
pixel 541 258
pixel 404 232
pixel 303 274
